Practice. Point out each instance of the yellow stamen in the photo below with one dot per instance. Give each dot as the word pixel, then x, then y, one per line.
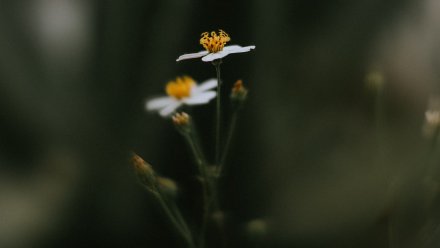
pixel 214 43
pixel 180 88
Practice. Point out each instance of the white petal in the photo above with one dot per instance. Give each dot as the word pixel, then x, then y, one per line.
pixel 227 50
pixel 170 108
pixel 192 55
pixel 238 49
pixel 213 56
pixel 201 98
pixel 158 103
pixel 207 85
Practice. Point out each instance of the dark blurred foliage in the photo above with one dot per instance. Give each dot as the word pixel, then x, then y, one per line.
pixel 315 153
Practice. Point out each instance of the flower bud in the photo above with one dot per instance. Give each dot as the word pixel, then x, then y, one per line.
pixel 144 171
pixel 239 92
pixel 182 121
pixel 167 186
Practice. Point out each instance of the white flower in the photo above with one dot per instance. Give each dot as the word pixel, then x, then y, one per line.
pixel 183 90
pixel 215 47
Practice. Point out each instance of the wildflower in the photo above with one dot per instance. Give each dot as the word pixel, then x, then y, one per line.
pixel 215 48
pixel 182 90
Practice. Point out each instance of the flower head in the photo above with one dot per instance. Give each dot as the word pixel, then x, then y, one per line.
pixel 182 90
pixel 215 48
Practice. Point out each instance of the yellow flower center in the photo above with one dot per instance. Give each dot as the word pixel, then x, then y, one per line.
pixel 180 88
pixel 214 43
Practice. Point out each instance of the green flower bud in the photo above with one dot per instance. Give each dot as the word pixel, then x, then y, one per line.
pixel 167 186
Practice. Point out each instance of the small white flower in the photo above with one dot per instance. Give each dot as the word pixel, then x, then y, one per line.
pixel 183 90
pixel 215 47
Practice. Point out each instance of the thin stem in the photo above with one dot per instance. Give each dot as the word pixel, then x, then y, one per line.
pixel 218 157
pixel 201 164
pixel 178 223
pixel 170 214
pixel 216 64
pixel 233 122
pixel 179 217
pixel 196 152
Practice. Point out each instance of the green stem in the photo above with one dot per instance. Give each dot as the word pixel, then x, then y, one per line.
pixel 233 122
pixel 180 218
pixel 178 223
pixel 197 155
pixel 201 164
pixel 216 64
pixel 218 157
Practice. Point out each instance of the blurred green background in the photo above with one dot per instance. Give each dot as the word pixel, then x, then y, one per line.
pixel 326 159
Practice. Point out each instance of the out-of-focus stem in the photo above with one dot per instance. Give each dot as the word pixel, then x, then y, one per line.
pixel 176 219
pixel 233 122
pixel 201 165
